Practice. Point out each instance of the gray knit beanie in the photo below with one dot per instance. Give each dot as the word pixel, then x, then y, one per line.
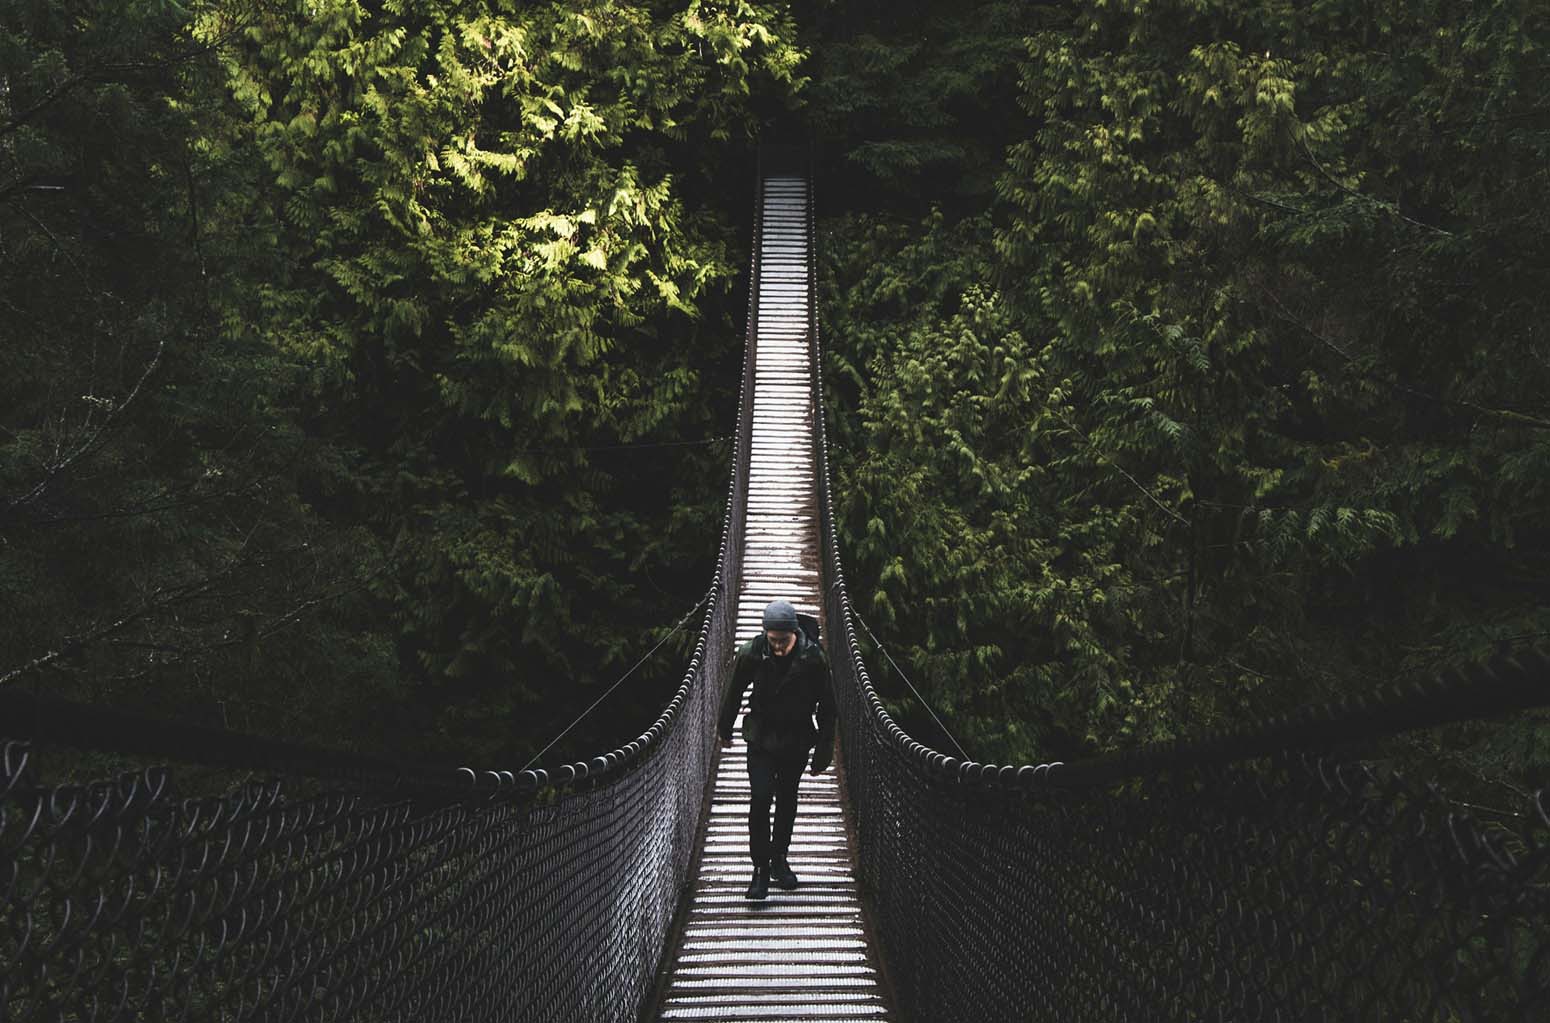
pixel 780 616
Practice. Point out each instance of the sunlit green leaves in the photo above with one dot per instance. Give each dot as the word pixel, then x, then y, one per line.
pixel 495 270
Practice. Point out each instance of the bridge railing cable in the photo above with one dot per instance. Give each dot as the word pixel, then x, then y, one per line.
pixel 323 885
pixel 1277 872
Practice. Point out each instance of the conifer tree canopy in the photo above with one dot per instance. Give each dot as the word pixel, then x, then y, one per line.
pixel 367 368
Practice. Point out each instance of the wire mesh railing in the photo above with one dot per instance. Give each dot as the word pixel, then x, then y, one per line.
pixel 1252 875
pixel 349 888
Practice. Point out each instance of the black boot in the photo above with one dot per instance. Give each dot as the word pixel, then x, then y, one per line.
pixel 781 874
pixel 759 887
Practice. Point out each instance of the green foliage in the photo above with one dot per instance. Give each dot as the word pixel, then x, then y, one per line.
pixel 1279 430
pixel 350 350
pixel 914 99
pixel 1269 254
pixel 439 290
pixel 937 505
pixel 157 554
pixel 492 271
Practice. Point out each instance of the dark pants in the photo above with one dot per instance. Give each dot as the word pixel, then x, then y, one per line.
pixel 772 776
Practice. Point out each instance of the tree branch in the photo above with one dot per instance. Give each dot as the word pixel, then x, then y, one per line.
pixel 105 71
pixel 1510 415
pixel 1382 204
pixel 91 442
pixel 1123 472
pixel 160 597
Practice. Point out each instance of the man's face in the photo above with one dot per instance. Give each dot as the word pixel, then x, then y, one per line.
pixel 781 641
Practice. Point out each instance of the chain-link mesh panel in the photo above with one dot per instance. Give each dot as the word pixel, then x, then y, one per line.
pixel 124 901
pixel 1297 889
pixel 1225 880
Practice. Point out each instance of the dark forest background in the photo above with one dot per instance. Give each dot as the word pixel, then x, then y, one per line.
pixel 367 370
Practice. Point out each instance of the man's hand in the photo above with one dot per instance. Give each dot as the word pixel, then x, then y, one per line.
pixel 725 742
pixel 815 770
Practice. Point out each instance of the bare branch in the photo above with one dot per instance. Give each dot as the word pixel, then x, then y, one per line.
pixel 1382 204
pixel 105 72
pixel 63 251
pixel 160 597
pixel 1510 415
pixel 1123 471
pixel 91 443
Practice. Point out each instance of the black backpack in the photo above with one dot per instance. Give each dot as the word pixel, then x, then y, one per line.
pixel 809 626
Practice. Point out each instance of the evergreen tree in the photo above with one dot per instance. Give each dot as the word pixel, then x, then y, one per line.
pixel 491 272
pixel 403 334
pixel 157 553
pixel 1279 429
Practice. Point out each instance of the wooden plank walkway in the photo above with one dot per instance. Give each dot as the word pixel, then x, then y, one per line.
pixel 799 955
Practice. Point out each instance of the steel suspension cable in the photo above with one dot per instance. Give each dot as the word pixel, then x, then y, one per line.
pixel 609 692
pixel 918 697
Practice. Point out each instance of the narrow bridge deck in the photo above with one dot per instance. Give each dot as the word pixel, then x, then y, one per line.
pixel 799 955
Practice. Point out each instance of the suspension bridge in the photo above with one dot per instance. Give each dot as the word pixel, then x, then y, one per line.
pixel 1268 873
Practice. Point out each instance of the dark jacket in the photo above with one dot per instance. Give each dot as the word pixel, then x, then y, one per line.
pixel 785 701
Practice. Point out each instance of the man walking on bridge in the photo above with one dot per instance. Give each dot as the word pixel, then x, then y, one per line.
pixel 791 683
